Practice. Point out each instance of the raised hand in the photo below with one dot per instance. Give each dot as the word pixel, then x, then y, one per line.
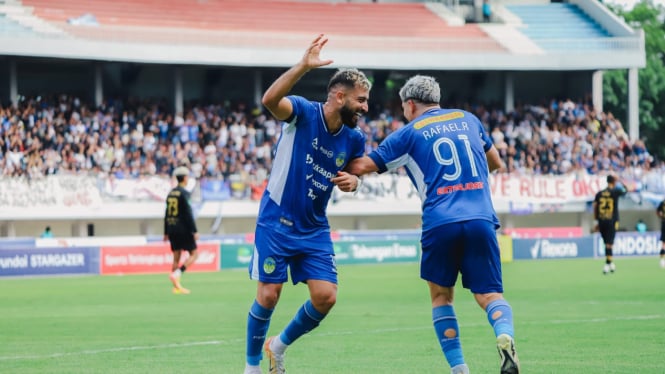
pixel 312 58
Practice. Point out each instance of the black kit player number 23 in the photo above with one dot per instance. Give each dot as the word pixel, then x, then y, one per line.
pixel 606 207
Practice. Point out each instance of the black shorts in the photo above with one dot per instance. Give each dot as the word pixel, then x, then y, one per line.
pixel 608 230
pixel 662 231
pixel 180 242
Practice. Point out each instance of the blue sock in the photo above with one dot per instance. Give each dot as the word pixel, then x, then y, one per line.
pixel 305 320
pixel 447 331
pixel 500 316
pixel 258 322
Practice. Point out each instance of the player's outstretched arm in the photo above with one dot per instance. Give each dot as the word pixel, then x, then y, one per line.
pixel 349 179
pixel 274 99
pixel 622 187
pixel 361 166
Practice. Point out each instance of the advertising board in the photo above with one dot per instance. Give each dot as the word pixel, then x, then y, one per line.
pixel 550 248
pixel 506 247
pixel 631 244
pixel 17 243
pixel 377 251
pixel 235 256
pixel 49 261
pixel 154 258
pixel 544 232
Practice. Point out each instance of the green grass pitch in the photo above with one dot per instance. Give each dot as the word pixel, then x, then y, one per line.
pixel 569 318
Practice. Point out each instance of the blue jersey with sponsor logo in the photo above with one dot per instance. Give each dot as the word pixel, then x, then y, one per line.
pixel 307 157
pixel 443 152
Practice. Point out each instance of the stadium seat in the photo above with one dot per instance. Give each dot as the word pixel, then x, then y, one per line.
pixel 8 26
pixel 553 25
pixel 251 20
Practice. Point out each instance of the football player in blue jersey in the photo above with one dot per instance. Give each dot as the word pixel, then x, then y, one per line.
pixel 317 141
pixel 447 155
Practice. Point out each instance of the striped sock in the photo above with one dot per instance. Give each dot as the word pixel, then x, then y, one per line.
pixel 258 322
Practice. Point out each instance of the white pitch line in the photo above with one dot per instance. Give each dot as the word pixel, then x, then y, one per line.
pixel 118 349
pixel 482 324
pixel 336 333
pixel 601 320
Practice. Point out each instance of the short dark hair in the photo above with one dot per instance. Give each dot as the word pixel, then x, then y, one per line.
pixel 611 179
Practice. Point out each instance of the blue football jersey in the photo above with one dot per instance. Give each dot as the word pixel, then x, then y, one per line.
pixel 307 157
pixel 443 152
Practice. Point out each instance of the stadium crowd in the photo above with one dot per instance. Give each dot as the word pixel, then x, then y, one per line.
pixel 129 139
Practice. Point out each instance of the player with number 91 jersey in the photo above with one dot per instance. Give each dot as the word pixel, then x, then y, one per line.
pixel 454 141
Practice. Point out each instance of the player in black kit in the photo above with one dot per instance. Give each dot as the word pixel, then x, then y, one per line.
pixel 606 214
pixel 180 228
pixel 660 211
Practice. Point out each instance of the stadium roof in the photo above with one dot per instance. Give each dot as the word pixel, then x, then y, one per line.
pixel 275 33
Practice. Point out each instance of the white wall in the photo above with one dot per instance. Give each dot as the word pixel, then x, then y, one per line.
pixel 360 221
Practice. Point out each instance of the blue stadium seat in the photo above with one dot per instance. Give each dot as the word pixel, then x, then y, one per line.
pixel 548 24
pixel 9 26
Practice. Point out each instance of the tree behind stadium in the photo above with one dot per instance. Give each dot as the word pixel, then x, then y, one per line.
pixel 649 17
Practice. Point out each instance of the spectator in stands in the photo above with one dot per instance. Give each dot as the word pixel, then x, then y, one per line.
pixel 487 11
pixel 63 135
pixel 292 230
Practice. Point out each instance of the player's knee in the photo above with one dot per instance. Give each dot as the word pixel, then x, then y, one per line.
pixel 268 295
pixel 483 299
pixel 268 301
pixel 324 301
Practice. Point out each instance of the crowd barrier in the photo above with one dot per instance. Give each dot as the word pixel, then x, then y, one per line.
pixel 74 196
pixel 71 256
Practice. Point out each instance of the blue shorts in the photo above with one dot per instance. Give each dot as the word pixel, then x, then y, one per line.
pixel 307 258
pixel 469 248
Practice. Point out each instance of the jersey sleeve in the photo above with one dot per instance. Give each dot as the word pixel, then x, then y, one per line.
pixel 359 143
pixel 484 136
pixel 188 215
pixel 595 205
pixel 166 212
pixel 393 150
pixel 298 103
pixel 378 161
